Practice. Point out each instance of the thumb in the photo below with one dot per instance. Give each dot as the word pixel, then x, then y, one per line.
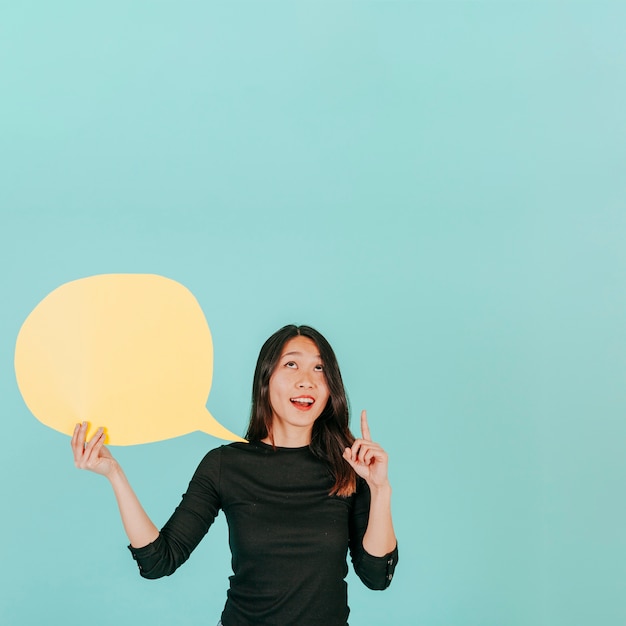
pixel 347 455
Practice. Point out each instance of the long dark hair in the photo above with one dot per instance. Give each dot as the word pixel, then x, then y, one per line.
pixel 331 431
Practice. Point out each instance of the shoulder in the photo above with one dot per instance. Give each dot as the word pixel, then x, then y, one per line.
pixel 228 453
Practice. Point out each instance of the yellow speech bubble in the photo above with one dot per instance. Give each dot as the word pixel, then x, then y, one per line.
pixel 131 352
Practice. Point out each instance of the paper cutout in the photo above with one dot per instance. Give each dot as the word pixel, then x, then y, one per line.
pixel 130 352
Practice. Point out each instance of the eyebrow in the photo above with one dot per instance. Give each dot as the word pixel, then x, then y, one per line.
pixel 295 352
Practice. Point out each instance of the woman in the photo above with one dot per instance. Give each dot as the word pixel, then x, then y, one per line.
pixel 300 494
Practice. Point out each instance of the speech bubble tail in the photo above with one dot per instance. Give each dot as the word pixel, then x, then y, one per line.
pixel 208 424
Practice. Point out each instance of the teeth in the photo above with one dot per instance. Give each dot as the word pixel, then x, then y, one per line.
pixel 303 400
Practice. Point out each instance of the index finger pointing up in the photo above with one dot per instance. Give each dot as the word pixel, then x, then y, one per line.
pixel 365 429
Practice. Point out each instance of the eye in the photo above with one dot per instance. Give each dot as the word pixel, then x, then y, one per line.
pixel 319 368
pixel 291 364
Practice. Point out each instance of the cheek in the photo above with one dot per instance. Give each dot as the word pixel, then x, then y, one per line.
pixel 326 396
pixel 272 389
pixel 276 387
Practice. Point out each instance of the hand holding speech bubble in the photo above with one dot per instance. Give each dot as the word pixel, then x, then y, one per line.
pixel 132 352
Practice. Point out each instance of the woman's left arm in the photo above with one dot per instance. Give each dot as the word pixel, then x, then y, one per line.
pixel 370 462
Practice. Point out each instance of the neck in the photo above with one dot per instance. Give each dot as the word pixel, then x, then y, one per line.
pixel 289 437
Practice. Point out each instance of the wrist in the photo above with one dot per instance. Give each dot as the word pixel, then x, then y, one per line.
pixel 382 489
pixel 116 475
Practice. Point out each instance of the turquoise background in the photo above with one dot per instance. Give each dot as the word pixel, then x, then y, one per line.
pixel 438 187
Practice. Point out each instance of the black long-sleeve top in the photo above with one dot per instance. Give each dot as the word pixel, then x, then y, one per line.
pixel 289 539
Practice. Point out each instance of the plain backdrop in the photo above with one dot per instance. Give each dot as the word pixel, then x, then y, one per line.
pixel 438 187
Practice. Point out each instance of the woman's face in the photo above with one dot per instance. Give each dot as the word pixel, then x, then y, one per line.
pixel 298 388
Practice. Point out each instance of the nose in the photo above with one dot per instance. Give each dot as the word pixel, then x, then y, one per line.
pixel 305 382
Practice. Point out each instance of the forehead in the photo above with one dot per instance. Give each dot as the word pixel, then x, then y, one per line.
pixel 301 345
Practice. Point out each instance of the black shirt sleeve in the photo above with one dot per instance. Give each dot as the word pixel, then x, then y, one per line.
pixel 188 524
pixel 376 572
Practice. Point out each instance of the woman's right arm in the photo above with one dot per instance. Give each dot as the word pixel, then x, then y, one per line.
pixel 94 456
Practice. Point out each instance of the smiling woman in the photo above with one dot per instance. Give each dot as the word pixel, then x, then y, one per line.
pixel 300 495
pixel 297 361
pixel 298 393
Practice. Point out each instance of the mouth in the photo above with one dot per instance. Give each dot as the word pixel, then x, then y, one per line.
pixel 303 403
